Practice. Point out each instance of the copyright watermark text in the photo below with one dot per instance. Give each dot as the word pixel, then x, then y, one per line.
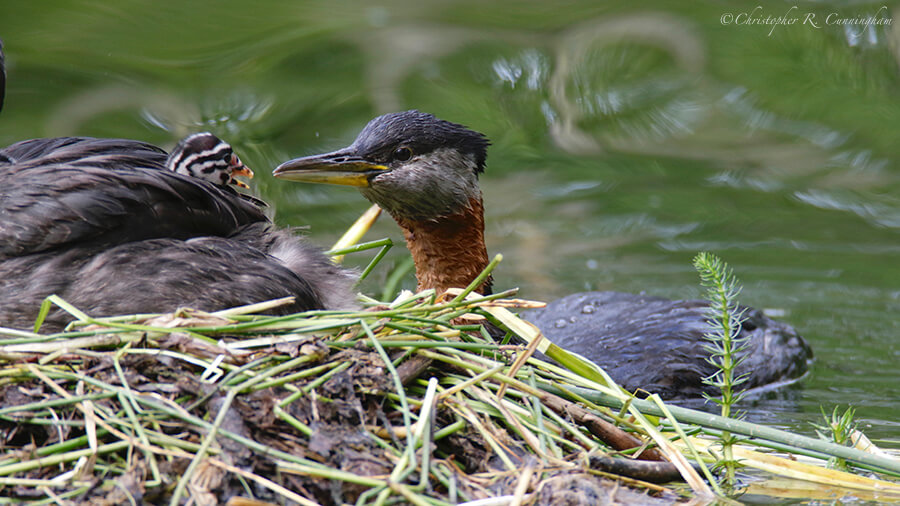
pixel 794 16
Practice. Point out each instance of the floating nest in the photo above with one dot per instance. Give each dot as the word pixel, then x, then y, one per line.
pixel 417 402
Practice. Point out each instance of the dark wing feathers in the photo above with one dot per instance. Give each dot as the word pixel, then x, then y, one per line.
pixel 657 344
pixel 104 224
pixel 69 190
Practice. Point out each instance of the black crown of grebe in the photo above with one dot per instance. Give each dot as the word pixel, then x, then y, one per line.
pixel 424 172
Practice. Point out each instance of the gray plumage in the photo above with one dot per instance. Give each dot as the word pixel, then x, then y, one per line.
pixel 657 344
pixel 103 224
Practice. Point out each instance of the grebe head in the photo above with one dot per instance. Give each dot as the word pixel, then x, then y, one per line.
pixel 207 157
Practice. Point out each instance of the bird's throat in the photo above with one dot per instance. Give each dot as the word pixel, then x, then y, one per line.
pixel 449 252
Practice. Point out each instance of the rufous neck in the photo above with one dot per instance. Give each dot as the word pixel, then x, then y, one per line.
pixel 449 252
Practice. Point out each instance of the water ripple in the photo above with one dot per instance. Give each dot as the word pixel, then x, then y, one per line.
pixel 884 214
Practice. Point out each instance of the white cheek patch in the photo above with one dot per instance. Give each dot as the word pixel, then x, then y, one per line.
pixel 427 186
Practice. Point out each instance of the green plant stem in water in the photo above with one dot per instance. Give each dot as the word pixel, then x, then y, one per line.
pixel 725 319
pixel 795 443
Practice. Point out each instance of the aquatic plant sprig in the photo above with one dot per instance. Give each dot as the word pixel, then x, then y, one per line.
pixel 837 429
pixel 725 346
pixel 725 320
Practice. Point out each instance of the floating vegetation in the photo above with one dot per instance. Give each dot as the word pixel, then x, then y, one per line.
pixel 840 429
pixel 421 400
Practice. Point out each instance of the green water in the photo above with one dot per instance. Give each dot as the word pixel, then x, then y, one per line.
pixel 625 140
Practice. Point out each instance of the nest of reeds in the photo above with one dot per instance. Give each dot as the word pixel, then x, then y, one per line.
pixel 418 401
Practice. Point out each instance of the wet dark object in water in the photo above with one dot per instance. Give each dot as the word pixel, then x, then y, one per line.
pixel 657 344
pixel 104 225
pixel 424 172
